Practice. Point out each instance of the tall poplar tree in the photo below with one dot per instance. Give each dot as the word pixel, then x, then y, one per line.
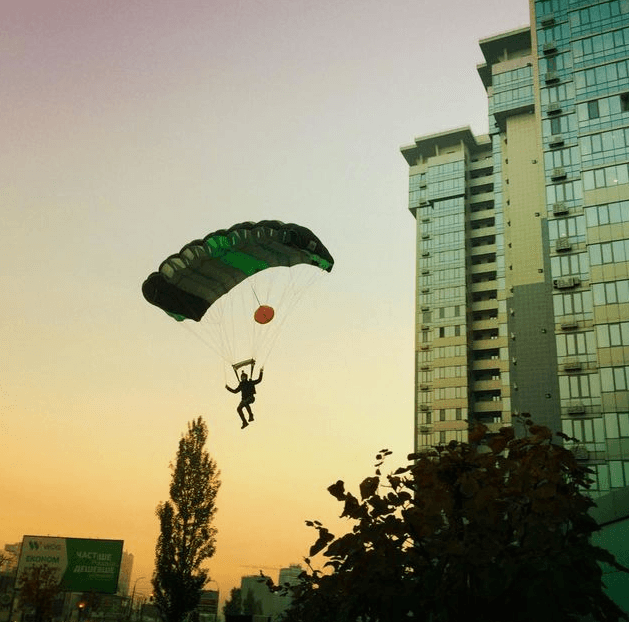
pixel 186 537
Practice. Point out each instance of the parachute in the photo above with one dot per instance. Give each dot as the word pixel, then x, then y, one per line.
pixel 239 283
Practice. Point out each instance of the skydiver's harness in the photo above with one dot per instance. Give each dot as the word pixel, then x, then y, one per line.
pixel 248 397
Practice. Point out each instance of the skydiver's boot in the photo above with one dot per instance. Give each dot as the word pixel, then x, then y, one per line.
pixel 242 418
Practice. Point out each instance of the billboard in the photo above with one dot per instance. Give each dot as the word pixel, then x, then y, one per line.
pixel 82 565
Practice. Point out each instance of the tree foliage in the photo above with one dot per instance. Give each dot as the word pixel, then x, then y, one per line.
pixel 233 605
pixel 497 529
pixel 250 604
pixel 186 537
pixel 39 588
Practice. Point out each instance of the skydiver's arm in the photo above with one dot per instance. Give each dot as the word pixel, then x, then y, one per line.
pixel 259 376
pixel 233 390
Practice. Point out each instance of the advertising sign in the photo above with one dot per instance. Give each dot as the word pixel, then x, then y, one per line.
pixel 82 565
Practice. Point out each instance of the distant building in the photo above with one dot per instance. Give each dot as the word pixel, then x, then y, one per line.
pixel 126 568
pixel 208 606
pixel 253 587
pixel 269 605
pixel 290 575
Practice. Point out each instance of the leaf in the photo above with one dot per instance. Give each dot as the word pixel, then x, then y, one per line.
pixel 352 508
pixel 541 430
pixel 343 545
pixel 325 537
pixel 337 490
pixel 546 491
pixel 394 481
pixel 508 432
pixel 468 486
pixel 478 433
pixel 497 444
pixel 369 486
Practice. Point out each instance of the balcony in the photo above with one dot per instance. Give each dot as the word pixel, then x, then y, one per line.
pixel 487 385
pixel 483 286
pixel 481 198
pixel 484 324
pixel 488 266
pixel 489 344
pixel 488 406
pixel 482 232
pixel 488 363
pixel 484 305
pixel 482 214
pixel 483 276
pixel 482 249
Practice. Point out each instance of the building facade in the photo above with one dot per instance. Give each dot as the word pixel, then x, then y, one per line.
pixel 522 292
pixel 124 577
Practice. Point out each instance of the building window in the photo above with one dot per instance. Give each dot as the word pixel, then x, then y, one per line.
pixel 617 425
pixel 607 214
pixel 612 292
pixel 580 386
pixel 555 126
pixel 606 177
pixel 610 335
pixel 593 110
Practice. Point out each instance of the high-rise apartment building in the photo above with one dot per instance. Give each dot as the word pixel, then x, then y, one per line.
pixel 522 299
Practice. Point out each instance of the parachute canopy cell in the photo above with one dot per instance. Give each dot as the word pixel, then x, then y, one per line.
pixel 189 282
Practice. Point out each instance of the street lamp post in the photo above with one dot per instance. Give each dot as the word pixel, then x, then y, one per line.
pixel 133 596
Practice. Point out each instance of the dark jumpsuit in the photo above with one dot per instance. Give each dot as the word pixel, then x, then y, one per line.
pixel 247 390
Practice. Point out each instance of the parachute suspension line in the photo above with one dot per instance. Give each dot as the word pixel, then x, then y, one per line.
pixel 298 280
pixel 205 339
pixel 254 293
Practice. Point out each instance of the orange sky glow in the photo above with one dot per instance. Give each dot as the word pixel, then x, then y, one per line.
pixel 131 128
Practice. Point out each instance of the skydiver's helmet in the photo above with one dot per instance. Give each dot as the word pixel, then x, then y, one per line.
pixel 243 376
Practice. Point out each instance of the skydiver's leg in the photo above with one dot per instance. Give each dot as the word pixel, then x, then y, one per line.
pixel 242 415
pixel 250 401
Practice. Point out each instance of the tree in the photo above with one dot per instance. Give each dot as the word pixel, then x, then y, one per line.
pixel 497 529
pixel 6 559
pixel 186 537
pixel 233 605
pixel 251 605
pixel 39 588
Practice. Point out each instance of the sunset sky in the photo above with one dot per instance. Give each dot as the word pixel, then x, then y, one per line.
pixel 130 127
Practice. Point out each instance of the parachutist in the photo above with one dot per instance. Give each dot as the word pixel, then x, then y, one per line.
pixel 247 390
